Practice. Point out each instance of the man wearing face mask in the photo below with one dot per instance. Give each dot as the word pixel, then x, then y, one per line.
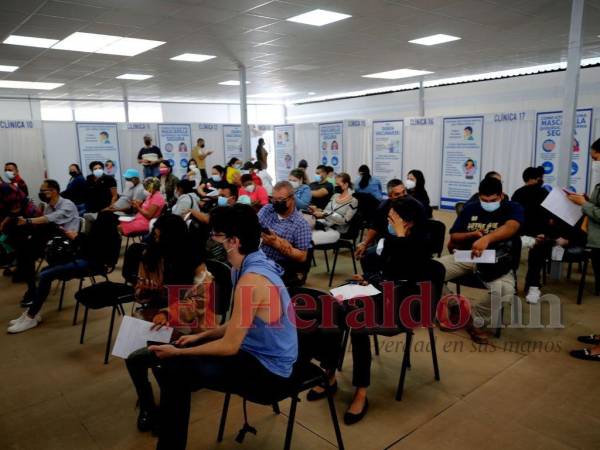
pixel 258 194
pixel 134 191
pixel 101 190
pixel 11 171
pixel 199 154
pixel 488 224
pixel 321 188
pixel 286 234
pixel 150 157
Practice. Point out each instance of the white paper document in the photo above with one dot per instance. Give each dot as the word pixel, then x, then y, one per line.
pixel 348 291
pixel 212 193
pixel 464 256
pixel 134 334
pixel 558 204
pixel 126 218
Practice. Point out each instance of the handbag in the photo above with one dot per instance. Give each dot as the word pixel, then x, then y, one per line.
pixel 503 264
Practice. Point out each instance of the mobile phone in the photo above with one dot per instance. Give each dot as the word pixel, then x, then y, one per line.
pixel 149 343
pixel 265 230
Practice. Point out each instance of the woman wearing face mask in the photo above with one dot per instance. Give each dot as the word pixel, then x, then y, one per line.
pixel 301 189
pixel 146 211
pixel 187 199
pixel 415 185
pixel 101 190
pixel 233 171
pixel 334 220
pixel 168 182
pixel 75 190
pixel 257 194
pixel 368 184
pixel 193 173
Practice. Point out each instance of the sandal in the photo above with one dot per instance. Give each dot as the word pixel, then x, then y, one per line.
pixel 585 354
pixel 477 337
pixel 592 339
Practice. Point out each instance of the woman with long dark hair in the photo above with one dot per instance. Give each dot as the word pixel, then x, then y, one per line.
pixel 415 185
pixel 368 184
pixel 262 154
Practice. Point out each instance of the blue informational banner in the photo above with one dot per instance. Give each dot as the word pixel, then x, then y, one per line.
pixel 331 136
pixel 388 149
pixel 176 143
pixel 284 150
pixel 232 142
pixel 100 142
pixel 461 159
pixel 547 148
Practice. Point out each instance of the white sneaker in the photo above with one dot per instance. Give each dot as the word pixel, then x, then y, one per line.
pixel 533 295
pixel 38 317
pixel 23 324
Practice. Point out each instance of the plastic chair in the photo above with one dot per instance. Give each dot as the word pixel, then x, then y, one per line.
pixel 223 287
pixel 437 236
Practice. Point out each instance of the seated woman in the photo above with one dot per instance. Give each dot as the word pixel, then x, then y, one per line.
pixel 403 258
pixel 193 174
pixel 253 352
pixel 297 178
pixel 146 211
pixel 369 184
pixel 334 220
pixel 76 188
pixel 163 264
pixel 232 171
pixel 216 181
pixel 415 186
pixel 257 194
pixel 187 199
pixel 168 182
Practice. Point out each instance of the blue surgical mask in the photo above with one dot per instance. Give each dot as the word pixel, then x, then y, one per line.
pixel 216 178
pixel 391 230
pixel 98 173
pixel 490 206
pixel 317 178
pixel 222 201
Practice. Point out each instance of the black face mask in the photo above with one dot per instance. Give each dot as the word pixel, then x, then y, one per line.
pixel 540 182
pixel 202 146
pixel 280 207
pixel 73 174
pixel 148 142
pixel 43 197
pixel 337 190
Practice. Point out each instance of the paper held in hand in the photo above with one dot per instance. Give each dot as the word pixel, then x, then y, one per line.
pixel 558 204
pixel 465 256
pixel 348 291
pixel 134 334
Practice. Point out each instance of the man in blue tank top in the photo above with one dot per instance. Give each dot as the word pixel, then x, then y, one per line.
pixel 252 352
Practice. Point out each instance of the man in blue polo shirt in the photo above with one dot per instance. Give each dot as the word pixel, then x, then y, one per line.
pixel 490 223
pixel 286 234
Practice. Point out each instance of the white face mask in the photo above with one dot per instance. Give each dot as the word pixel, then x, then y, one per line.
pixel 98 172
pixel 250 188
pixel 410 184
pixel 147 193
pixel 128 184
pixel 9 174
pixel 295 184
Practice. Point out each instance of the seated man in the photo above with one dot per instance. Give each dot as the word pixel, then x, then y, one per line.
pixel 257 194
pixel 254 351
pixel 58 215
pixel 286 234
pixel 492 223
pixel 133 191
pixel 378 228
pixel 321 188
pixel 12 174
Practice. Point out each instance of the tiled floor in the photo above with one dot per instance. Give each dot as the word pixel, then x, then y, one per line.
pixel 57 394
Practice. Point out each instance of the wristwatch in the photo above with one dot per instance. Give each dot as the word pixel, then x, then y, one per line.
pixel 28 221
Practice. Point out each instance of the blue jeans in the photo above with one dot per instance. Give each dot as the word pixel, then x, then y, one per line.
pixel 152 171
pixel 67 271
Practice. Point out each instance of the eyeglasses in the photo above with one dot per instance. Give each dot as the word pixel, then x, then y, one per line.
pixel 284 199
pixel 214 234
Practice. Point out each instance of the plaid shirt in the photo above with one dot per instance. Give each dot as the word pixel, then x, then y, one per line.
pixel 294 229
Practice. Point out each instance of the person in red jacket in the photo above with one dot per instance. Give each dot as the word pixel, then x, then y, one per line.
pixel 258 194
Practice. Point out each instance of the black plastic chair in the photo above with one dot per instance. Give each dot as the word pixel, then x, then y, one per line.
pixel 582 256
pixel 367 204
pixel 305 376
pixel 223 287
pixel 436 232
pixel 346 241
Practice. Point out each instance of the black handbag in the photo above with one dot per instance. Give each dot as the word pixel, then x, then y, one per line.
pixel 60 250
pixel 503 264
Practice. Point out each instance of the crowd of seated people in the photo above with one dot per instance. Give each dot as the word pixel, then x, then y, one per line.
pixel 265 235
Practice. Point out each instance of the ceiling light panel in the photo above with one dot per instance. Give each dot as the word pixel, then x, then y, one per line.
pixel 397 74
pixel 435 39
pixel 129 47
pixel 192 57
pixel 8 68
pixel 319 17
pixel 231 83
pixel 29 41
pixel 11 84
pixel 86 42
pixel 134 76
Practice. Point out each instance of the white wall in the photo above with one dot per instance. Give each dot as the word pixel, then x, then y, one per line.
pixel 20 109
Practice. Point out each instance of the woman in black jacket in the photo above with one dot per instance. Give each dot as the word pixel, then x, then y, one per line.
pixel 415 185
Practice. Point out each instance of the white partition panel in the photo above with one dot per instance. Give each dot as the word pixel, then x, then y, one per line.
pixel 357 146
pixel 60 140
pixel 307 146
pixel 24 147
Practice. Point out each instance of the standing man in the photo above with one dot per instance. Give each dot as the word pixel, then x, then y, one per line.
pixel 150 157
pixel 200 155
pixel 12 174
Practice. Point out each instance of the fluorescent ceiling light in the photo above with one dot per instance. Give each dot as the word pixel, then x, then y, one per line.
pixel 435 39
pixel 10 84
pixel 396 74
pixel 193 57
pixel 129 47
pixel 133 76
pixel 319 17
pixel 30 41
pixel 8 68
pixel 311 93
pixel 86 42
pixel 272 95
pixel 232 83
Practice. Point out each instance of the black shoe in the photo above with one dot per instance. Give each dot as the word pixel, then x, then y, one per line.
pixel 314 395
pixel 585 354
pixel 591 339
pixel 351 419
pixel 145 420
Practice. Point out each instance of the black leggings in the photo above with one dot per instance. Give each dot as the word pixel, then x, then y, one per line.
pixel 179 376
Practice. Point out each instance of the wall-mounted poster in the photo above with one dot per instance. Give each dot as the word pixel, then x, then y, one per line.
pixel 100 142
pixel 388 149
pixel 331 144
pixel 284 150
pixel 232 142
pixel 547 143
pixel 461 159
pixel 175 144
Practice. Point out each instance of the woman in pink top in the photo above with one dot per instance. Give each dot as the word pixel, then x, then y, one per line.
pixel 146 211
pixel 258 194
